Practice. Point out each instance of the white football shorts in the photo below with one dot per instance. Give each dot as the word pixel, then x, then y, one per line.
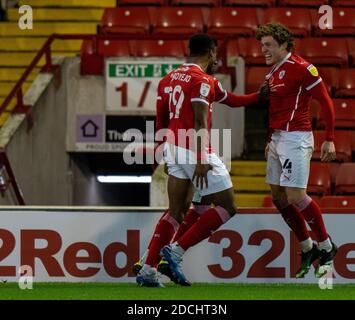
pixel 181 164
pixel 289 157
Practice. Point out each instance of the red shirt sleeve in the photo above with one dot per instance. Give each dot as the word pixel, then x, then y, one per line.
pixel 220 92
pixel 320 93
pixel 201 90
pixel 236 101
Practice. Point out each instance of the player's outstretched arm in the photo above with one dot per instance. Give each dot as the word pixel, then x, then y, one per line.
pixel 319 93
pixel 237 101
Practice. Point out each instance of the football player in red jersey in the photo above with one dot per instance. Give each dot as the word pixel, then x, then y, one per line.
pixel 292 83
pixel 191 214
pixel 185 100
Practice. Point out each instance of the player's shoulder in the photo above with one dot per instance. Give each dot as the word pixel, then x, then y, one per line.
pixel 299 62
pixel 303 66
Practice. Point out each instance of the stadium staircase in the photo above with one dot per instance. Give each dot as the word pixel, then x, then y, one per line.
pixel 18 48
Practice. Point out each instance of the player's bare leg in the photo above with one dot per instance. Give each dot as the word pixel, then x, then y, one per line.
pixel 312 214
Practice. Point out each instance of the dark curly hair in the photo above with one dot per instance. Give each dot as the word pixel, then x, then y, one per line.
pixel 278 31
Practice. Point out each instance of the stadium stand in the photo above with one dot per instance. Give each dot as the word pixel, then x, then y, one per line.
pixel 235 21
pixel 344 3
pixel 249 49
pixel 332 51
pixel 141 2
pixel 344 114
pixel 178 20
pixel 346 86
pixel 342 144
pixel 297 19
pixel 324 51
pixel 254 77
pixel 345 179
pixel 126 21
pixel 195 3
pixel 337 202
pixel 303 3
pixel 343 23
pixel 250 2
pixel 319 179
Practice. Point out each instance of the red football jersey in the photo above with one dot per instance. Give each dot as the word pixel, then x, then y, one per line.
pixel 177 90
pixel 290 83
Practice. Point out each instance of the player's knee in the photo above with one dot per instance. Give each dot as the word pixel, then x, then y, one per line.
pixel 177 214
pixel 231 209
pixel 295 197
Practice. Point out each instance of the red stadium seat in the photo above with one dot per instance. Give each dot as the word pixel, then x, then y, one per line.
pixel 141 2
pixel 337 202
pixel 236 21
pixel 250 50
pixel 298 20
pixel 346 86
pixel 344 114
pixel 178 20
pixel 351 47
pixel 255 76
pixel 343 22
pixel 159 48
pixel 330 78
pixel 115 48
pixel 319 179
pixel 250 3
pixel 345 179
pixel 344 3
pixel 195 2
pixel 134 20
pixel 342 144
pixel 303 3
pixel 91 63
pixel 324 51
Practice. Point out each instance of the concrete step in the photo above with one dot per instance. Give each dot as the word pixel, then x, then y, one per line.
pixel 69 3
pixel 248 168
pixel 23 59
pixel 14 74
pixel 10 29
pixel 249 199
pixel 34 44
pixel 69 14
pixel 4 116
pixel 247 184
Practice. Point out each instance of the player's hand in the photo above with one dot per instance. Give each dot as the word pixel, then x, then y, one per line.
pixel 267 150
pixel 264 91
pixel 200 174
pixel 327 151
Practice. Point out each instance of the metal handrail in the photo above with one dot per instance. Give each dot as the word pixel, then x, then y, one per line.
pixel 48 67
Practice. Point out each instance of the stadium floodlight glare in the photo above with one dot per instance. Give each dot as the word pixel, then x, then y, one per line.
pixel 124 179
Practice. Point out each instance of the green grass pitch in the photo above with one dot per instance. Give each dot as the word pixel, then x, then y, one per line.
pixel 199 291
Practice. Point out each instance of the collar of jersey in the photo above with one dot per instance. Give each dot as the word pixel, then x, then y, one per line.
pixel 192 64
pixel 277 66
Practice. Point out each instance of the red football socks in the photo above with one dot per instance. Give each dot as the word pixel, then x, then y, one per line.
pixel 210 221
pixel 190 218
pixel 313 215
pixel 163 233
pixel 295 221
